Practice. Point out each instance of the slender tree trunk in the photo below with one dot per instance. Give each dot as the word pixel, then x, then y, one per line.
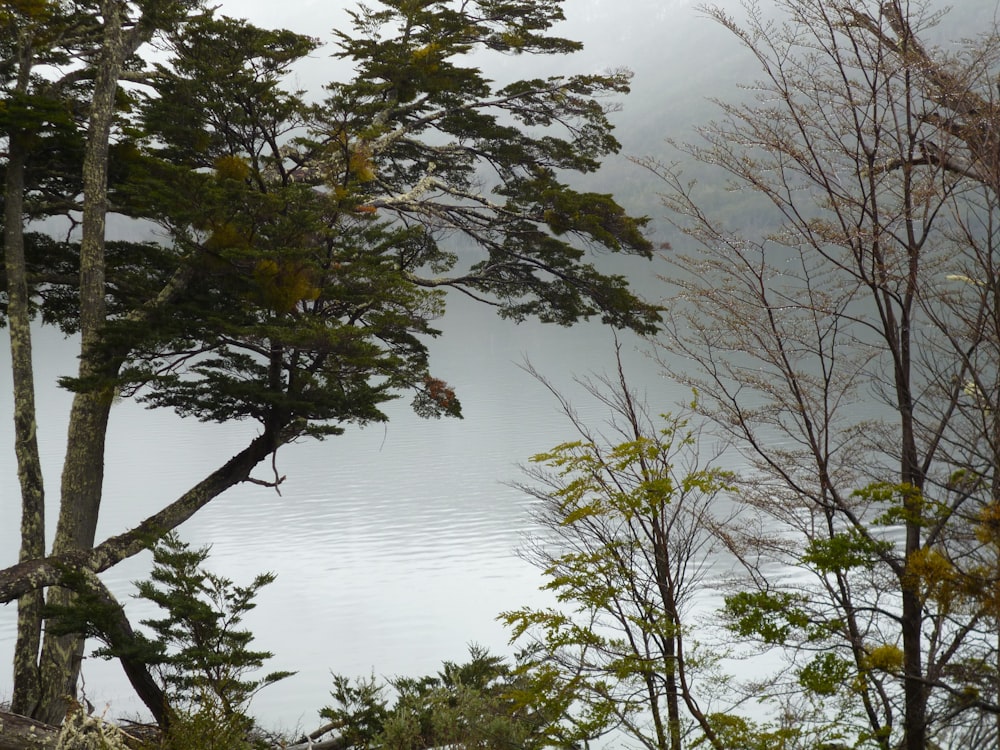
pixel 27 681
pixel 673 704
pixel 672 652
pixel 83 470
pixel 915 715
pixel 911 622
pixel 911 473
pixel 912 610
pixel 670 643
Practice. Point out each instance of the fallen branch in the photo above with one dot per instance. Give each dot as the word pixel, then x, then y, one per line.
pixel 21 733
pixel 337 743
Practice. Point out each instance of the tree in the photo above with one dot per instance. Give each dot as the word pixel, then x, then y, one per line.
pixel 201 654
pixel 202 660
pixel 845 360
pixel 19 31
pixel 309 244
pixel 99 40
pixel 629 518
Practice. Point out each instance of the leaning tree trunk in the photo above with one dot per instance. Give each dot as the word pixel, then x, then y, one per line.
pixel 83 470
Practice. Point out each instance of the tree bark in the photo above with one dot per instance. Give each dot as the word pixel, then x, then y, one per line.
pixel 83 469
pixel 29 471
pixel 21 733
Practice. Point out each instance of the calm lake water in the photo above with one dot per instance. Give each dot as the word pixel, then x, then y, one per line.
pixel 394 545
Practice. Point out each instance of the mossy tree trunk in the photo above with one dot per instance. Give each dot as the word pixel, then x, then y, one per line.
pixel 83 470
pixel 29 471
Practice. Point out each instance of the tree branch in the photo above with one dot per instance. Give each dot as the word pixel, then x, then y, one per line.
pixel 30 575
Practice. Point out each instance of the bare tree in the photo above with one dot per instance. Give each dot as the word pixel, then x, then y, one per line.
pixel 850 353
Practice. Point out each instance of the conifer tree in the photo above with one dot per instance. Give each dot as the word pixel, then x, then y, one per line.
pixel 307 245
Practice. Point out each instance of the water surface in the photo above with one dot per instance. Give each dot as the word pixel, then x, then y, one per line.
pixel 395 546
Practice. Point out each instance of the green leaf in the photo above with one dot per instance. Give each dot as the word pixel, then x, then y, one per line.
pixel 826 674
pixel 771 616
pixel 845 551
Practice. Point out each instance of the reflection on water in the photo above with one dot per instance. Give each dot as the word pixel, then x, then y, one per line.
pixel 394 546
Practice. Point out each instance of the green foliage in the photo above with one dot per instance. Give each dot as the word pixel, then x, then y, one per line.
pixel 470 705
pixel 886 657
pixel 771 616
pixel 826 674
pixel 740 733
pixel 360 710
pixel 301 235
pixel 221 88
pixel 206 727
pixel 901 503
pixel 412 83
pixel 630 520
pixel 843 551
pixel 204 657
pixel 304 257
pixel 327 329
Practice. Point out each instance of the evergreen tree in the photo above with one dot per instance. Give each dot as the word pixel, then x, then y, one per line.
pixel 308 245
